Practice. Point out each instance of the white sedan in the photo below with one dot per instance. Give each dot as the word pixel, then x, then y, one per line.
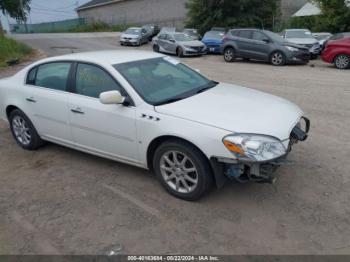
pixel 151 111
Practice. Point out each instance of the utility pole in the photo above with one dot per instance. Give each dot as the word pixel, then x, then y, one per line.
pixel 23 15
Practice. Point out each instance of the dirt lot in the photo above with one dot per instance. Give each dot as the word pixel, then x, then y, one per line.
pixel 59 201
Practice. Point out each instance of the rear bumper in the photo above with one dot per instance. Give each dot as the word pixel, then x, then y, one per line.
pixel 260 172
pixel 214 49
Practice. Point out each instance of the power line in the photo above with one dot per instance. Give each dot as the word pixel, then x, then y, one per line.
pixel 54 11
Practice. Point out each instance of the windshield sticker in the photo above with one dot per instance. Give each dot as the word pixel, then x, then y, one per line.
pixel 171 60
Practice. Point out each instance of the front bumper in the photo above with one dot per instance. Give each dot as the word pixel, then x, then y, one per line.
pixel 195 51
pixel 259 172
pixel 129 41
pixel 298 57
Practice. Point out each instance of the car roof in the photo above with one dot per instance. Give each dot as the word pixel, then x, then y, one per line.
pixel 111 57
pixel 134 28
pixel 294 29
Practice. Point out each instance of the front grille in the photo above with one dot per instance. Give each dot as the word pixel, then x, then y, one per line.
pixel 197 48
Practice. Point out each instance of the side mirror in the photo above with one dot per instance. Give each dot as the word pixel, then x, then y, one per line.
pixel 172 40
pixel 111 97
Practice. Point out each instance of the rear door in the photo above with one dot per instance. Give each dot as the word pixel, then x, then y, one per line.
pixel 243 41
pixel 47 97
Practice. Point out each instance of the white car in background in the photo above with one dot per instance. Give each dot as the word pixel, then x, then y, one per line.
pixel 305 38
pixel 152 111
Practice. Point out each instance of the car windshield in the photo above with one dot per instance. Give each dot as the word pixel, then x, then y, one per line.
pixel 322 37
pixel 275 37
pixel 191 32
pixel 299 34
pixel 214 35
pixel 163 80
pixel 182 38
pixel 133 31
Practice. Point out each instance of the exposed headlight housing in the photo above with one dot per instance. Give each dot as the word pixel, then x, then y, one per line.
pixel 254 148
pixel 291 48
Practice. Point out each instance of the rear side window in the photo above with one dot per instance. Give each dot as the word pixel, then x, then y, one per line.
pixel 92 81
pixel 245 34
pixel 234 32
pixel 53 75
pixel 31 76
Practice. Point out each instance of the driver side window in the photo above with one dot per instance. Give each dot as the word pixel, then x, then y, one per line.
pixel 92 81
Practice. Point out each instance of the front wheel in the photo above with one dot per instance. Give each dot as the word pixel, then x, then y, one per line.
pixel 156 48
pixel 277 59
pixel 342 61
pixel 24 131
pixel 229 55
pixel 180 52
pixel 183 170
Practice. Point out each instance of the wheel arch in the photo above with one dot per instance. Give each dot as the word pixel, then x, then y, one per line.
pixel 11 108
pixel 155 143
pixel 216 168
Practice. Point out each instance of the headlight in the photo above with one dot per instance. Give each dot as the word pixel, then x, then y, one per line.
pixel 256 148
pixel 293 49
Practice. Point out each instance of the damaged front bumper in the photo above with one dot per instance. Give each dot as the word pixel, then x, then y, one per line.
pixel 259 172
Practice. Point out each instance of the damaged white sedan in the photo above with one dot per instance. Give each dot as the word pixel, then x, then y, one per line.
pixel 152 111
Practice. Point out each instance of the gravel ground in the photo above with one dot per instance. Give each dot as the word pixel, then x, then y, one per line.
pixel 60 201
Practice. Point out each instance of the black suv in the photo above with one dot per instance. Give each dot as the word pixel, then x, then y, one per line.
pixel 262 45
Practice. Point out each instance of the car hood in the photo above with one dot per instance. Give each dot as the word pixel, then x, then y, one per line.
pixel 238 110
pixel 212 41
pixel 194 43
pixel 130 36
pixel 302 41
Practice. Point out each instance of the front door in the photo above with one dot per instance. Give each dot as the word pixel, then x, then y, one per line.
pixel 107 130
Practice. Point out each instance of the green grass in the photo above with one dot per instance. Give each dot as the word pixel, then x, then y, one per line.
pixel 99 27
pixel 91 27
pixel 11 49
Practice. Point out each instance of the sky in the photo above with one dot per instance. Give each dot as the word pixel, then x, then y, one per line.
pixel 50 10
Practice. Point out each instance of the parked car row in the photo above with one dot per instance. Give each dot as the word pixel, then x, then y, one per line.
pixel 292 46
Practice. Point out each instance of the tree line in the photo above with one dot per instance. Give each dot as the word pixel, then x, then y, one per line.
pixel 265 14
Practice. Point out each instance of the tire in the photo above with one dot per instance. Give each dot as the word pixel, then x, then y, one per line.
pixel 24 131
pixel 229 54
pixel 179 52
pixel 277 58
pixel 342 61
pixel 189 180
pixel 156 48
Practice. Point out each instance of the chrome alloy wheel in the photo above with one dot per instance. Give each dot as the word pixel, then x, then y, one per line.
pixel 21 130
pixel 229 54
pixel 179 172
pixel 277 58
pixel 342 62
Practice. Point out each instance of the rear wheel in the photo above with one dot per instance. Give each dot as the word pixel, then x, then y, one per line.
pixel 183 170
pixel 277 59
pixel 342 61
pixel 229 55
pixel 24 131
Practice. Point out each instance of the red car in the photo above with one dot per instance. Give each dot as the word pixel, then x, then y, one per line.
pixel 338 53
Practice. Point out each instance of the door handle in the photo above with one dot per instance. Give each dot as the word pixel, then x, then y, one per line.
pixel 77 111
pixel 31 99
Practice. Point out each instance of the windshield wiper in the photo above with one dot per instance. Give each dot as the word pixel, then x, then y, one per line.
pixel 210 85
pixel 169 101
